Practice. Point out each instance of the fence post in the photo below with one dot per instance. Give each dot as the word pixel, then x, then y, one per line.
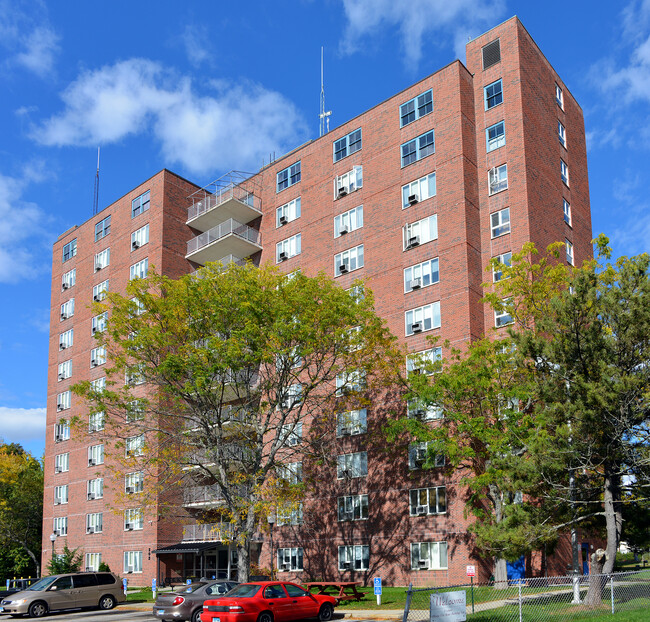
pixel 407 606
pixel 611 582
pixel 520 603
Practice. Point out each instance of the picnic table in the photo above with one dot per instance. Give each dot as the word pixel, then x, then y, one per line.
pixel 347 590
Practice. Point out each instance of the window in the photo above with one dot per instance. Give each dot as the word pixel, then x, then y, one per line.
pixel 567 212
pixel 288 177
pixel 420 232
pixel 498 179
pixel 95 488
pixel 99 384
pixel 66 339
pixel 68 279
pixel 349 260
pixel 140 237
pixel 98 356
pixel 348 221
pixel 94 522
pixel 290 397
pixel 67 309
pixel 352 422
pixel 133 519
pixel 60 494
pixel 287 212
pixel 98 323
pixel 93 561
pixel 69 250
pixel 347 145
pixel 132 561
pixel 140 204
pixel 62 463
pixel 290 516
pixel 418 148
pixel 134 482
pixel 291 472
pixel 348 182
pixel 96 422
pixel 347 382
pixel 63 401
pixel 349 466
pixel 96 455
pixel 419 190
pixel 290 559
pixel 421 275
pixel 564 172
pixel 495 136
pixel 416 108
pixel 422 319
pixel 102 259
pixel 417 409
pixel 288 248
pixel 493 94
pixel 354 557
pixel 134 445
pixel 429 555
pixel 134 375
pixel 353 507
pixel 139 270
pixel 139 307
pixel 102 228
pixel 60 526
pixel 504 260
pixel 418 360
pixel 559 96
pixel 428 501
pixel 65 370
pixel 419 455
pixel 291 434
pixel 500 222
pixel 99 291
pixel 561 134
pixel 61 431
pixel 134 411
pixel 569 252
pixel 502 317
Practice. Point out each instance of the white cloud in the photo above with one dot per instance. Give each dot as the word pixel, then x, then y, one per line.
pixel 21 425
pixel 197 42
pixel 416 19
pixel 29 39
pixel 234 126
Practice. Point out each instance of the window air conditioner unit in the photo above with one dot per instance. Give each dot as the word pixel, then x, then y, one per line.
pixel 57 532
pixel 415 283
pixel 282 256
pixel 58 438
pixel 59 408
pixel 96 297
pixel 64 316
pixel 57 502
pixel 64 286
pixel 416 327
pixel 92 462
pixel 345 431
pixel 413 199
pixel 343 230
pixel 347 564
pixel 342 191
pixel 424 564
pixel 94 329
pixel 343 268
pixel 61 376
pixel 420 455
pixel 421 509
pixel 283 220
pixel 93 362
pixel 57 469
pixel 135 245
pixel 128 527
pixel 98 268
pixel 413 241
pixel 130 490
pixel 90 529
pixel 62 345
pixel 355 430
pixel 91 496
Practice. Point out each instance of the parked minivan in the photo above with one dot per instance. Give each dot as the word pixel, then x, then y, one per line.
pixel 65 591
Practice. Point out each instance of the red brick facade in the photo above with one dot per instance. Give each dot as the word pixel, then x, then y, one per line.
pixel 464 244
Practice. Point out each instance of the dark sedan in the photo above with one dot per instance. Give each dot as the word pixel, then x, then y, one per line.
pixel 187 603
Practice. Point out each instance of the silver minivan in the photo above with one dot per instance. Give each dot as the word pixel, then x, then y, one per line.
pixel 65 591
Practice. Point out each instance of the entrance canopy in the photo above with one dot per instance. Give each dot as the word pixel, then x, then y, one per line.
pixel 186 547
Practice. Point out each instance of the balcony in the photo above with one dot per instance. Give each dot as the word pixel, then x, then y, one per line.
pixel 227 238
pixel 202 496
pixel 231 197
pixel 209 532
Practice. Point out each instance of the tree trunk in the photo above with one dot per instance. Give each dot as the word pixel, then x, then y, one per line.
pixel 594 597
pixel 500 574
pixel 36 561
pixel 243 561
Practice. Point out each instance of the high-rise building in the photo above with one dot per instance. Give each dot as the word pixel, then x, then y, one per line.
pixel 416 196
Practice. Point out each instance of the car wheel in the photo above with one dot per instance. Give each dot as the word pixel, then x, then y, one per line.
pixel 265 616
pixel 107 602
pixel 326 612
pixel 37 609
pixel 196 616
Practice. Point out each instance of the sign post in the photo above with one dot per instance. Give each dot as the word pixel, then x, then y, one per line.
pixel 377 582
pixel 153 587
pixel 471 573
pixel 124 584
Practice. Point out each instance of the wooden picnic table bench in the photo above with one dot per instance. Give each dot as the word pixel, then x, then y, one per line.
pixel 347 590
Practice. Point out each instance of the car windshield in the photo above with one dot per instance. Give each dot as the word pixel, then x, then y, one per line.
pixel 41 584
pixel 190 588
pixel 246 590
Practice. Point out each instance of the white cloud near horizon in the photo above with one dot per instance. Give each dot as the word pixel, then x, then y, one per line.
pixel 25 33
pixel 234 126
pixel 417 19
pixel 22 425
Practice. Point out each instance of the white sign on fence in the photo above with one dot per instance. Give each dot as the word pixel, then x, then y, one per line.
pixel 448 606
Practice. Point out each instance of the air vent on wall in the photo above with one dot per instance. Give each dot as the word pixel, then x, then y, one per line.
pixel 491 54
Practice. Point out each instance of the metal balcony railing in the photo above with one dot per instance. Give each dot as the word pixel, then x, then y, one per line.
pixel 202 494
pixel 209 532
pixel 229 227
pixel 212 201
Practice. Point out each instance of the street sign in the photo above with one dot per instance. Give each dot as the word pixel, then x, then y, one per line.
pixel 471 571
pixel 377 582
pixel 153 587
pixel 124 584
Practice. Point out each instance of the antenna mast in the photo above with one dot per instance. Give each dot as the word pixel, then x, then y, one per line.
pixel 96 195
pixel 324 116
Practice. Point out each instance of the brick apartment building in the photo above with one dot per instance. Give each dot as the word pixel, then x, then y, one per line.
pixel 415 195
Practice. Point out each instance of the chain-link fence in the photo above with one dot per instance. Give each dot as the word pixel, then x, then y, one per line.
pixel 537 599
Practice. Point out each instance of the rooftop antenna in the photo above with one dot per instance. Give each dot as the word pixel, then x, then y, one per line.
pixel 324 116
pixel 96 195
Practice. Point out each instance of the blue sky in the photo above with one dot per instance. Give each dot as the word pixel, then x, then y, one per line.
pixel 203 87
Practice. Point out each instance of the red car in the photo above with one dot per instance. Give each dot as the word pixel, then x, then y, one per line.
pixel 268 601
